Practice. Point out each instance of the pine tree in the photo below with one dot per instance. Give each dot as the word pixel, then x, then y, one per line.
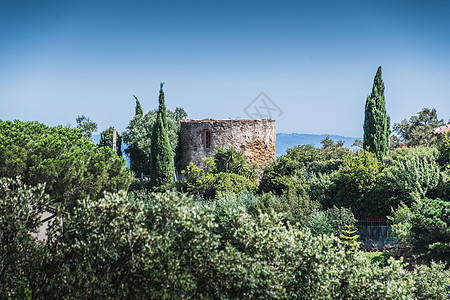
pixel 138 110
pixel 376 121
pixel 162 161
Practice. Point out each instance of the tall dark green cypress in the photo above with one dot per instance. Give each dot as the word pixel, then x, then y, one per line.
pixel 376 121
pixel 161 162
pixel 138 109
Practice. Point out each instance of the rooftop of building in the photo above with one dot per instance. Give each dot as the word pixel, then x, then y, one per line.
pixel 441 129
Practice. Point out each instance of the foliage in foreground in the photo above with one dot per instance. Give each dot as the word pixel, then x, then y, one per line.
pixel 166 246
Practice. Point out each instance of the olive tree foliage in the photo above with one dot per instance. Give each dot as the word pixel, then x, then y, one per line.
pixel 106 140
pixel 70 166
pixel 376 120
pixel 138 137
pixel 417 130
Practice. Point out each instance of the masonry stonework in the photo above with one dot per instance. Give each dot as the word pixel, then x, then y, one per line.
pixel 200 138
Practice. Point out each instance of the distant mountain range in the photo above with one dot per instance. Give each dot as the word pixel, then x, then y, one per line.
pixel 289 140
pixel 285 141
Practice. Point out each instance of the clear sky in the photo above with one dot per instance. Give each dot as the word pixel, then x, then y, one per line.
pixel 314 59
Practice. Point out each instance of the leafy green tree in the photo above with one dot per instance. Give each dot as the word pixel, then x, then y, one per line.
pixel 138 108
pixel 180 114
pixel 162 157
pixel 356 177
pixel 417 131
pixel 86 126
pixel 71 166
pixel 138 137
pixel 328 142
pixel 376 121
pixel 106 140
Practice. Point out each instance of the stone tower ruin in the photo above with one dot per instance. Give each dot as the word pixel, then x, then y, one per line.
pixel 200 138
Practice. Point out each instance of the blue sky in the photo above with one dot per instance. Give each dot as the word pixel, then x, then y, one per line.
pixel 314 59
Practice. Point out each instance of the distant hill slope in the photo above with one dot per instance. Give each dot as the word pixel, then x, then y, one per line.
pixel 289 140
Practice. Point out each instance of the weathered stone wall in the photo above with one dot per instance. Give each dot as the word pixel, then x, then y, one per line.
pixel 255 138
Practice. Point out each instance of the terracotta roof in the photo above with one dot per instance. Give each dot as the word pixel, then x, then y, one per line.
pixel 441 129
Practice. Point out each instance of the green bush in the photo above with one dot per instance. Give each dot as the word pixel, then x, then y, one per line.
pixel 225 172
pixel 402 225
pixel 23 258
pixel 431 227
pixel 340 219
pixel 432 282
pixel 230 182
pixel 413 170
pixel 168 246
pixel 319 223
pixel 356 177
pixel 379 258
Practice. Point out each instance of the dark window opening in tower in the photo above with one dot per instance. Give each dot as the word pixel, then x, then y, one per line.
pixel 207 139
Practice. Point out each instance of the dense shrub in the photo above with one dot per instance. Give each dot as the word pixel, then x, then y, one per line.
pixel 430 227
pixel 413 170
pixel 340 219
pixel 319 223
pixel 432 282
pixel 22 255
pixel 354 180
pixel 168 246
pixel 401 224
pixel 225 172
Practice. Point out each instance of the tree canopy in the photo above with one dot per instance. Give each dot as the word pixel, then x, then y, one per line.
pixel 106 140
pixel 70 166
pixel 138 137
pixel 86 126
pixel 417 130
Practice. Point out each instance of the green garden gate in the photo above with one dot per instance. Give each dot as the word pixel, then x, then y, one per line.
pixel 375 232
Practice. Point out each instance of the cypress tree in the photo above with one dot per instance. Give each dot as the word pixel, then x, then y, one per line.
pixel 138 109
pixel 376 121
pixel 161 162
